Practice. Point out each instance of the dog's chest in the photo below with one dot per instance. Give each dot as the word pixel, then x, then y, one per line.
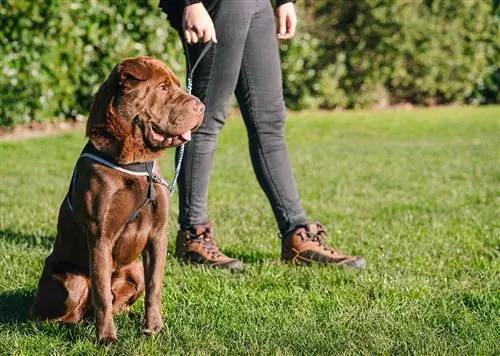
pixel 130 244
pixel 147 220
pixel 136 234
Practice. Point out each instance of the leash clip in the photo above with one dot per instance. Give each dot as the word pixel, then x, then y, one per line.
pixel 155 179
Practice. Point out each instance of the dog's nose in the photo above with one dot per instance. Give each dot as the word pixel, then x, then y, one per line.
pixel 198 106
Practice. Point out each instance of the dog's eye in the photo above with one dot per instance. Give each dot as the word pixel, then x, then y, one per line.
pixel 164 87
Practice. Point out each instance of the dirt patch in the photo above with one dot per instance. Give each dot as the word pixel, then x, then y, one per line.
pixel 37 129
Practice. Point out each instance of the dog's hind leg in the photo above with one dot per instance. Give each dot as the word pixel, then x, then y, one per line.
pixel 127 286
pixel 61 296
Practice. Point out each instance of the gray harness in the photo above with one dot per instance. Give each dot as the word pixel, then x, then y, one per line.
pixel 144 169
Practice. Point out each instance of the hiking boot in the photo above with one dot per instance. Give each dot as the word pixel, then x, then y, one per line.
pixel 306 245
pixel 196 245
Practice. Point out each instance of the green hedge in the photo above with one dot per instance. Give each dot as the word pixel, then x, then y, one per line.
pixel 347 53
pixel 375 52
pixel 58 52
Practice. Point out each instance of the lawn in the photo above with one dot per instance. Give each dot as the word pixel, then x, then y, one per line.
pixel 416 192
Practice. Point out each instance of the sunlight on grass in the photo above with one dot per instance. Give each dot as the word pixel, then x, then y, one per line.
pixel 415 192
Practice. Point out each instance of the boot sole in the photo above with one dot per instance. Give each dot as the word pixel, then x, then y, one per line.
pixel 357 263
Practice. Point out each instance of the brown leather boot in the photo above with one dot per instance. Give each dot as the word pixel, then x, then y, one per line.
pixel 196 245
pixel 305 245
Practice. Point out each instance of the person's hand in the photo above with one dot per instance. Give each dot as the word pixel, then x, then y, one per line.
pixel 287 21
pixel 198 25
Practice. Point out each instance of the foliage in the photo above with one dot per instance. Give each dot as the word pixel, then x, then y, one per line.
pixel 58 52
pixel 347 54
pixel 377 52
pixel 487 88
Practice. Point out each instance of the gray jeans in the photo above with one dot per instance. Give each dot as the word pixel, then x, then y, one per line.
pixel 244 61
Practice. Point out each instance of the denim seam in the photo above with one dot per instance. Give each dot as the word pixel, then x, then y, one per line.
pixel 194 172
pixel 252 108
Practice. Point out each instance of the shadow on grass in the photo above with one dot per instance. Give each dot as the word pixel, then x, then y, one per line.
pixel 27 240
pixel 46 241
pixel 15 305
pixel 14 313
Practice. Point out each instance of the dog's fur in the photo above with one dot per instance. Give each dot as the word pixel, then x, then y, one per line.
pixel 94 267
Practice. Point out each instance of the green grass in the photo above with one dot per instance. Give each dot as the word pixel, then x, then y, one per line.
pixel 416 192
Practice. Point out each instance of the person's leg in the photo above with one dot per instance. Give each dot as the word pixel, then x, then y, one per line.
pixel 260 97
pixel 246 55
pixel 214 83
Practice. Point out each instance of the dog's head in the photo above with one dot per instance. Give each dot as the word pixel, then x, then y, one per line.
pixel 140 110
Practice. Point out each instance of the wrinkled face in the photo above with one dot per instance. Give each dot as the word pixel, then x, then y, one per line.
pixel 152 98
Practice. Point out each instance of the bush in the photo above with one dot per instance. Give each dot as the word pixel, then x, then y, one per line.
pixel 58 52
pixel 347 54
pixel 369 52
pixel 487 89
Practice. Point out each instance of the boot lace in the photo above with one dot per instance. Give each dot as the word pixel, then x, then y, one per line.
pixel 205 236
pixel 319 237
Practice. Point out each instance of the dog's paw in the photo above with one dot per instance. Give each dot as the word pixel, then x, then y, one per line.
pixel 107 335
pixel 108 340
pixel 153 326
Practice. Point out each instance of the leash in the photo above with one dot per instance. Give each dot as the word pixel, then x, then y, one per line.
pixel 179 151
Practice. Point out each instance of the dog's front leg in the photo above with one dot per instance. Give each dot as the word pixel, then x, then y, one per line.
pixel 101 265
pixel 154 257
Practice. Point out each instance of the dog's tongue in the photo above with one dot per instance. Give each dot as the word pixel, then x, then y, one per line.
pixel 156 135
pixel 186 135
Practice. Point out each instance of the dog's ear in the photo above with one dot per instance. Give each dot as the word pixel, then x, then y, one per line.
pixel 102 99
pixel 135 68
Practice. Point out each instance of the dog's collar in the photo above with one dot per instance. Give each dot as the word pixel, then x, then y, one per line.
pixel 137 169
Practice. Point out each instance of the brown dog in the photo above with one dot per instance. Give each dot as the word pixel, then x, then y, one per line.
pixel 112 213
